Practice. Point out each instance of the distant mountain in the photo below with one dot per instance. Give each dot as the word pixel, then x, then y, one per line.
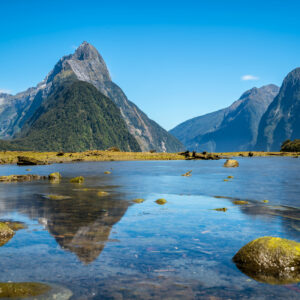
pixel 75 117
pixel 86 64
pixel 281 121
pixel 231 129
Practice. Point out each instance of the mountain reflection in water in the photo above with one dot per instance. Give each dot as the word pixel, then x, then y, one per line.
pixel 80 224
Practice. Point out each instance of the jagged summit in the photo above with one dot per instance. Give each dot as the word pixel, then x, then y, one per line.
pixel 85 64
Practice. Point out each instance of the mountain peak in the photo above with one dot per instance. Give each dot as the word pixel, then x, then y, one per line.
pixel 86 51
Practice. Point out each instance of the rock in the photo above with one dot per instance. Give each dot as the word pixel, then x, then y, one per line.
pixel 230 177
pixel 28 161
pixel 250 154
pixel 139 200
pixel 265 201
pixel 270 259
pixel 161 201
pixel 28 170
pixel 21 178
pixel 60 154
pixel 57 197
pixel 6 233
pixel 55 176
pixel 78 179
pixel 231 163
pixel 15 226
pixel 102 194
pixel 187 174
pixel 114 149
pixel 33 290
pixel 107 172
pixel 240 202
pixel 226 180
pixel 224 209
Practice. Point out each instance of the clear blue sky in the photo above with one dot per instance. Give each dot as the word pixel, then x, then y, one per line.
pixel 174 59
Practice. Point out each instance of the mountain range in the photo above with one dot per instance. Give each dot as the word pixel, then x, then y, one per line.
pixel 230 129
pixel 21 120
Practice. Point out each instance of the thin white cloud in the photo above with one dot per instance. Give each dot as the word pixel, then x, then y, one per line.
pixel 249 77
pixel 5 91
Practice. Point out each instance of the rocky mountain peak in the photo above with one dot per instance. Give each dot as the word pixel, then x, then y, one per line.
pixel 86 51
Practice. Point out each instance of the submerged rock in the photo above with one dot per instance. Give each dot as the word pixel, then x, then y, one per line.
pixel 161 201
pixel 55 176
pixel 265 201
pixel 28 161
pixel 224 209
pixel 187 174
pixel 231 163
pixel 230 177
pixel 57 197
pixel 270 259
pixel 20 178
pixel 139 200
pixel 33 290
pixel 107 172
pixel 240 202
pixel 78 179
pixel 6 233
pixel 102 194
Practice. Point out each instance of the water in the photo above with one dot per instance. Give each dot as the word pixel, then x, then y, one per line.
pixel 111 248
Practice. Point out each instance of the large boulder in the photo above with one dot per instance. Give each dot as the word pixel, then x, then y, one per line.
pixel 270 259
pixel 29 161
pixel 231 163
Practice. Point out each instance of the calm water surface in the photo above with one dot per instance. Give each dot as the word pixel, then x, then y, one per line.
pixel 112 248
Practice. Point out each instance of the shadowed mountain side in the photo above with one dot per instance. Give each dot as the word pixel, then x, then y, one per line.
pixel 75 117
pixel 281 120
pixel 231 129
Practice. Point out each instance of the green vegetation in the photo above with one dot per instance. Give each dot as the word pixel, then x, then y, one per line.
pixel 22 289
pixel 75 117
pixel 290 146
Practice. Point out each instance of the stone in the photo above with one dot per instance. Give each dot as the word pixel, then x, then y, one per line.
pixel 139 200
pixel 161 201
pixel 240 202
pixel 270 259
pixel 187 174
pixel 231 163
pixel 78 179
pixel 6 233
pixel 28 161
pixel 107 172
pixel 55 176
pixel 21 178
pixel 224 209
pixel 102 194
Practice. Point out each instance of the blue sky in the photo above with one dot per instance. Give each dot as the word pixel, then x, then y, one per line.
pixel 174 59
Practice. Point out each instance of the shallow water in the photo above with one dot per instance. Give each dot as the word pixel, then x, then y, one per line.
pixel 111 248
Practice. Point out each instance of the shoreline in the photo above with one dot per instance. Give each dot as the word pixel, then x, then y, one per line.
pixel 11 157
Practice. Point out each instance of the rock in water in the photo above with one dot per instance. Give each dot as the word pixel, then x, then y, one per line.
pixel 54 176
pixel 231 163
pixel 6 233
pixel 29 161
pixel 270 259
pixel 78 179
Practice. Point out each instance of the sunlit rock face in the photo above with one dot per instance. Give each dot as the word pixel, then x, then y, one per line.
pixel 86 64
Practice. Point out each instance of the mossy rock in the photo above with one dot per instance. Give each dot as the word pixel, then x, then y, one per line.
pixel 138 200
pixel 230 177
pixel 55 176
pixel 227 180
pixel 231 163
pixel 224 209
pixel 107 172
pixel 161 201
pixel 265 201
pixel 57 197
pixel 102 194
pixel 187 174
pixel 6 233
pixel 15 226
pixel 78 179
pixel 270 259
pixel 240 202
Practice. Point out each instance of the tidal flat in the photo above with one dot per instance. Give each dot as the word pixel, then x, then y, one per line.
pixel 93 240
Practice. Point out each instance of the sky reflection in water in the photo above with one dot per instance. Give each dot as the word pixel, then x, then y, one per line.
pixel 112 248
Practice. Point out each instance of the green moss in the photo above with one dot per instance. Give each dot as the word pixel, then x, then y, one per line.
pixel 15 226
pixel 139 200
pixel 224 209
pixel 270 259
pixel 161 201
pixel 240 202
pixel 78 179
pixel 22 289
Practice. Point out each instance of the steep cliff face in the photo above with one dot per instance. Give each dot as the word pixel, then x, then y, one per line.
pixel 231 129
pixel 281 121
pixel 86 64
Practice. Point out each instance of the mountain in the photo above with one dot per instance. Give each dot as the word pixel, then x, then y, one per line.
pixel 230 129
pixel 281 120
pixel 86 64
pixel 75 117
